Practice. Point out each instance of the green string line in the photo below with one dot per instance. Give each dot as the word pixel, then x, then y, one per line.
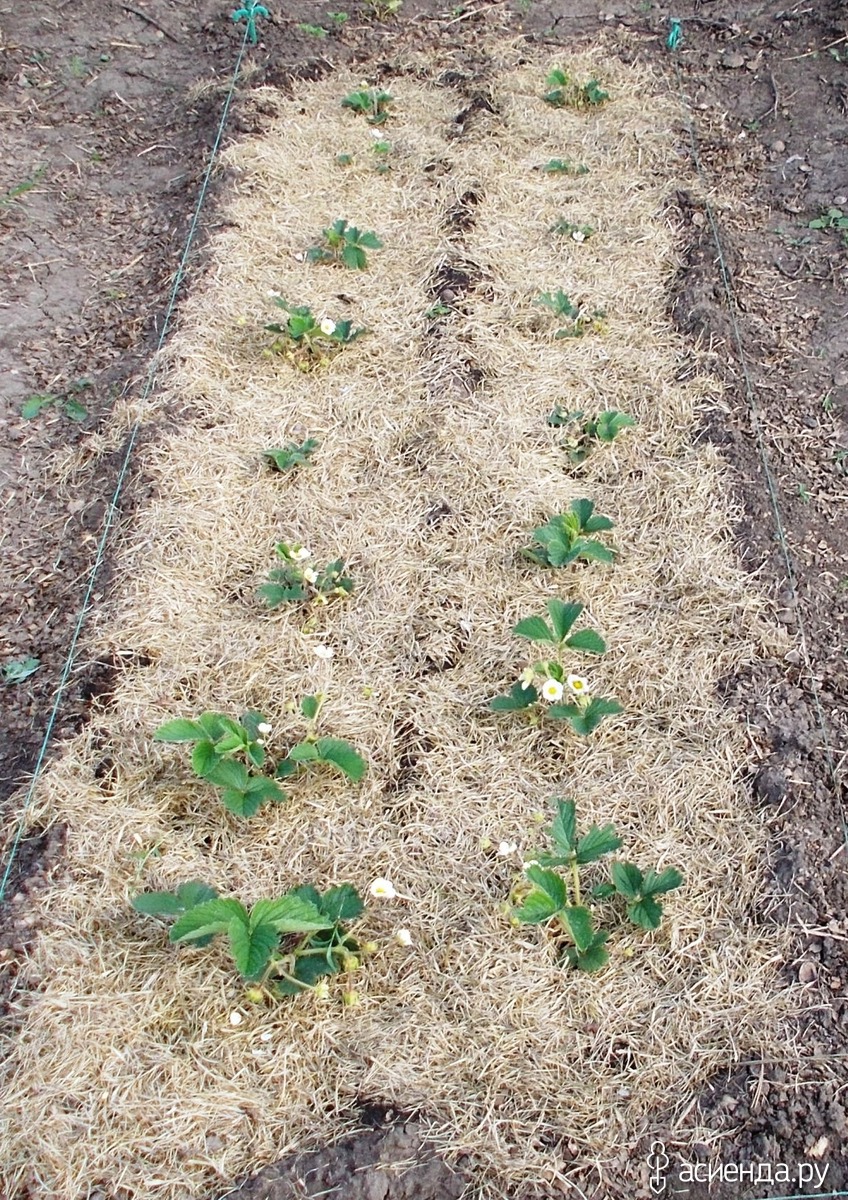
pixel 759 431
pixel 122 475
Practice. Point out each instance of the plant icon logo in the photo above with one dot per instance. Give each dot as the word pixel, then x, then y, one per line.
pixel 658 1162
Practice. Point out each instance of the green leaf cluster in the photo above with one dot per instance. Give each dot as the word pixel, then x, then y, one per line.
pixel 344 243
pixel 831 218
pixel 301 331
pixel 604 428
pixel 581 321
pixel 568 229
pixel 585 713
pixel 20 669
pixel 563 166
pixel 563 539
pixel 333 752
pixel 220 745
pixel 641 891
pixel 371 103
pixel 381 10
pixel 553 896
pixel 548 900
pixel 230 754
pixel 292 584
pixel 286 943
pixel 286 458
pixel 381 151
pixel 565 92
pixel 68 402
pixel 563 615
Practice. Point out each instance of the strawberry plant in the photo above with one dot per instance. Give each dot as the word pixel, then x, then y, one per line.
pixel 306 340
pixel 591 431
pixel 577 233
pixel 344 243
pixel 560 900
pixel 563 166
pixel 297 580
pixel 283 945
pixel 563 539
pixel 566 92
pixel 286 458
pixel 580 320
pixel 232 755
pixel 547 687
pixel 372 103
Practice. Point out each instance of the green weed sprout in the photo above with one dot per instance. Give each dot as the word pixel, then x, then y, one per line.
pixel 577 233
pixel 831 218
pixel 559 899
pixel 286 458
pixel 565 92
pixel 68 403
pixel 563 166
pixel 563 539
pixel 547 688
pixel 282 946
pixel 591 431
pixel 297 580
pixel 580 319
pixel 231 755
pixel 382 10
pixel 372 103
pixel 344 243
pixel 19 669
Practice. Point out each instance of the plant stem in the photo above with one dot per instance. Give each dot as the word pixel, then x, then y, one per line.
pixel 575 877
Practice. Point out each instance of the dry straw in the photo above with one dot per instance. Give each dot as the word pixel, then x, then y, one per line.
pixel 435 461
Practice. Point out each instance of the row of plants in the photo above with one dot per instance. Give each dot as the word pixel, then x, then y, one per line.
pixel 291 943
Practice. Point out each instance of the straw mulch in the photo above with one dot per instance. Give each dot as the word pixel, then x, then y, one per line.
pixel 435 462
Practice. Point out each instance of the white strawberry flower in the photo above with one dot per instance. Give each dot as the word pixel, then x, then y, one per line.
pixel 263 727
pixel 578 684
pixel 310 575
pixel 301 554
pixel 552 690
pixel 403 937
pixel 527 677
pixel 505 849
pixel 325 652
pixel 382 889
pixel 579 235
pixel 327 327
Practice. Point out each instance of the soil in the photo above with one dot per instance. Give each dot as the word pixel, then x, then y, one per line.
pixel 392 1163
pixel 109 113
